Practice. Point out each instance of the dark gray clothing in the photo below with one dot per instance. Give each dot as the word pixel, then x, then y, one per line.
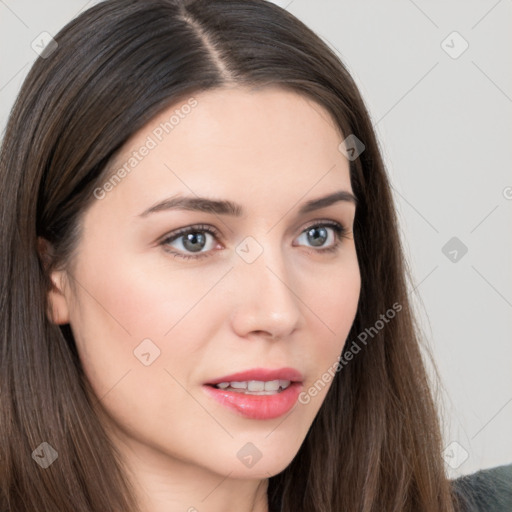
pixel 487 490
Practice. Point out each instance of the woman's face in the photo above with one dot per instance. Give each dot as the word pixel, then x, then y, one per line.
pixel 159 315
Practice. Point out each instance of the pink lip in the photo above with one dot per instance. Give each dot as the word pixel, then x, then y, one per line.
pixel 258 407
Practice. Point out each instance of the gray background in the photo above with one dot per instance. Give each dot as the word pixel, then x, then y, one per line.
pixel 444 123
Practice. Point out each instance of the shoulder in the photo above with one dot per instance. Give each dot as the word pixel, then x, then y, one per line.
pixel 487 490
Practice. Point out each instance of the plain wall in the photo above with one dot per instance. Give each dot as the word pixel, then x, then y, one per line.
pixel 443 118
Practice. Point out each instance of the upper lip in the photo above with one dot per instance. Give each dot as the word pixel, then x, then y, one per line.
pixel 260 374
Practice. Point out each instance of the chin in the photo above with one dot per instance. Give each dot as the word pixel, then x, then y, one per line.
pixel 254 463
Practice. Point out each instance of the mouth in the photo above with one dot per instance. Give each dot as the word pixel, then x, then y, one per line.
pixel 258 393
pixel 254 387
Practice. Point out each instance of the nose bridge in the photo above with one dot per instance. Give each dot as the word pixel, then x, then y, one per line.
pixel 266 300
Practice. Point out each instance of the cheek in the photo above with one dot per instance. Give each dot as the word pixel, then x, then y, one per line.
pixel 137 335
pixel 139 299
pixel 332 295
pixel 130 313
pixel 333 306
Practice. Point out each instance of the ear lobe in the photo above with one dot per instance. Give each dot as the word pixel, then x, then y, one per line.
pixel 58 303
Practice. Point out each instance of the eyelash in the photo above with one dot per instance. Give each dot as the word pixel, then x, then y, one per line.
pixel 339 230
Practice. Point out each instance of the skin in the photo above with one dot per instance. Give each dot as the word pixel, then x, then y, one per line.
pixel 270 150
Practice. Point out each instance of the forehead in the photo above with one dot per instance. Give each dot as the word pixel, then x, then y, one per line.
pixel 234 140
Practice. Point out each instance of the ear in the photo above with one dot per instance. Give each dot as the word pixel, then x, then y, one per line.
pixel 59 310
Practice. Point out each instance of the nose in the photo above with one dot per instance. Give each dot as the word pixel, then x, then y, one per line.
pixel 264 301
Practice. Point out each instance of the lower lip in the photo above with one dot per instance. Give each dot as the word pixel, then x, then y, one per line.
pixel 258 407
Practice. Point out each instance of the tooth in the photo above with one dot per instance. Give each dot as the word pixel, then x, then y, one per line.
pixel 238 385
pixel 284 383
pixel 256 385
pixel 272 385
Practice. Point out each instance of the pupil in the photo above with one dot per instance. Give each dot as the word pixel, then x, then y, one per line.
pixel 194 241
pixel 315 238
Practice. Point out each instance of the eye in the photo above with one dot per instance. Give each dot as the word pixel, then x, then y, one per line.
pixel 198 241
pixel 193 239
pixel 324 234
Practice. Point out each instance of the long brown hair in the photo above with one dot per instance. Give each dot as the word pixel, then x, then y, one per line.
pixel 375 444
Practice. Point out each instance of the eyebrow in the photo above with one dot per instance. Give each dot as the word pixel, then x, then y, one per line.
pixel 224 207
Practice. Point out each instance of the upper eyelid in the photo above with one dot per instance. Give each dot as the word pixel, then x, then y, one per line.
pixel 175 235
pixel 191 229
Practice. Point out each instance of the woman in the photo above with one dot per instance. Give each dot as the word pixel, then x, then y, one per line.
pixel 204 301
